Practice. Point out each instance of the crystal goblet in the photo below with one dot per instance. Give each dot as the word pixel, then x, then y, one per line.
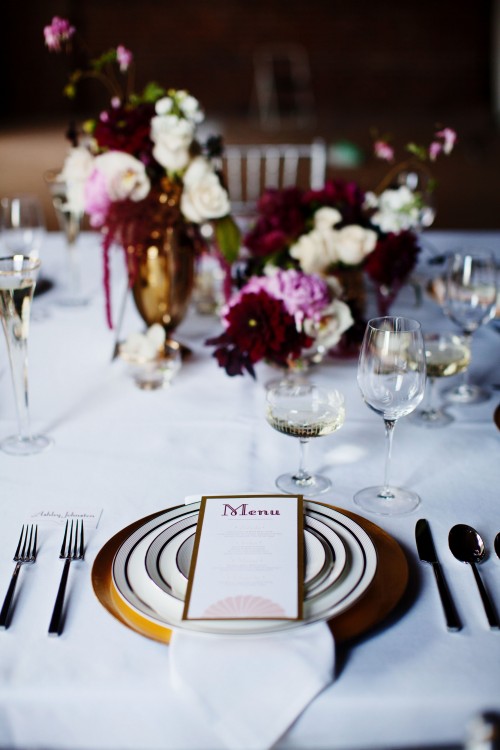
pixel 470 301
pixel 391 377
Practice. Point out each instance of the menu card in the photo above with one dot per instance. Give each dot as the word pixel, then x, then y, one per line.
pixel 248 559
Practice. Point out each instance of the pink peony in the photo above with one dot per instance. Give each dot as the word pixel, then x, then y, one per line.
pixel 448 137
pixel 304 295
pixel 97 200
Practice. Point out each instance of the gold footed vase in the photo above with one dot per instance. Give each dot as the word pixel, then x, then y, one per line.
pixel 164 278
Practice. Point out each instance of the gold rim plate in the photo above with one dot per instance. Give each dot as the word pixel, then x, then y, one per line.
pixel 383 594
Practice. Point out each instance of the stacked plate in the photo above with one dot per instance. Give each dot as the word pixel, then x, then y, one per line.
pixel 151 567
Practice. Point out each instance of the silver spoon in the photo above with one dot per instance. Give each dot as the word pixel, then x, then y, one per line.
pixel 468 547
pixel 496 416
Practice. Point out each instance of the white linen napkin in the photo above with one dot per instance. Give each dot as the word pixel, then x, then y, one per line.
pixel 252 688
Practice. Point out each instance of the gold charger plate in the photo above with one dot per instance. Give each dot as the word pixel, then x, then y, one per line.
pixel 384 592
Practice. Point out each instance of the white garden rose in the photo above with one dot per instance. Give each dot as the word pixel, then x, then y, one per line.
pixel 335 320
pixel 326 217
pixel 75 172
pixel 190 107
pixel 203 196
pixel 353 243
pixel 124 176
pixel 164 106
pixel 315 250
pixel 172 137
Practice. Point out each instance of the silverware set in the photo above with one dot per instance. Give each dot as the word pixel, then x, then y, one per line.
pixel 73 548
pixel 467 546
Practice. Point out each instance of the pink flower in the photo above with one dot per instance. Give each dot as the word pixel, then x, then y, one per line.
pixel 383 150
pixel 59 31
pixel 305 296
pixel 97 200
pixel 124 57
pixel 434 150
pixel 448 137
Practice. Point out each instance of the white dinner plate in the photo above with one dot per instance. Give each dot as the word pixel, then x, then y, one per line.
pixel 168 557
pixel 139 590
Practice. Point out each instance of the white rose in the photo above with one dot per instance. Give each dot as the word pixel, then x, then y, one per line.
pixel 315 250
pixel 353 244
pixel 203 196
pixel 326 217
pixel 164 106
pixel 172 137
pixel 76 169
pixel 190 108
pixel 124 175
pixel 335 320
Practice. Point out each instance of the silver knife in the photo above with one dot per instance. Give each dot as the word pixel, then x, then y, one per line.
pixel 427 553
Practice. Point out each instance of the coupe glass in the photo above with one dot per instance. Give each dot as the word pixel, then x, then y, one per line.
pixel 22 225
pixel 70 222
pixel 446 354
pixel 17 283
pixel 470 301
pixel 391 377
pixel 304 411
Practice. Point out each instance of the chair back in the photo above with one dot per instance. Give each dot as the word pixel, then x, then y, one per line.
pixel 249 169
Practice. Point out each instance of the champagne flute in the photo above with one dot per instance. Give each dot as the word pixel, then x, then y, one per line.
pixel 22 224
pixel 470 300
pixel 391 377
pixel 69 211
pixel 446 354
pixel 304 411
pixel 17 284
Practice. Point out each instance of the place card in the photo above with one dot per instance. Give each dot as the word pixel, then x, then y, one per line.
pixel 248 559
pixel 57 516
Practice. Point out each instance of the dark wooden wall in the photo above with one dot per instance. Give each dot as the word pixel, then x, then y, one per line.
pixel 429 56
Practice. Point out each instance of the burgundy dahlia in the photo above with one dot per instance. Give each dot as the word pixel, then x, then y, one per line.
pixel 258 327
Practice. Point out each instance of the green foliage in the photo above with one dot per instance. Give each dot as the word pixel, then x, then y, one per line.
pixel 228 238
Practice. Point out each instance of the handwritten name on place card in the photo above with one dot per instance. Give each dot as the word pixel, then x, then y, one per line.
pixel 58 517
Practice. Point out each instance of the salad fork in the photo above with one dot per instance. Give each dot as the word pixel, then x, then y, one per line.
pixel 72 549
pixel 25 553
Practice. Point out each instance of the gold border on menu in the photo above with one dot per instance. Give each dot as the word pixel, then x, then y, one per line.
pixel 300 556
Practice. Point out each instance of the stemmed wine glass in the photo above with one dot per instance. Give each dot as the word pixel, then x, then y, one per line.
pixel 17 283
pixel 391 377
pixel 69 216
pixel 446 354
pixel 470 300
pixel 304 411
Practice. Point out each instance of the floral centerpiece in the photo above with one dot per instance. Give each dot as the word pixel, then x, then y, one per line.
pixel 327 242
pixel 138 167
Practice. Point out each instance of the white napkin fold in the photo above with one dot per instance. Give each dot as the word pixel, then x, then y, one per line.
pixel 252 688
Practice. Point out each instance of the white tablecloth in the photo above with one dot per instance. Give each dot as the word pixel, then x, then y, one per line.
pixel 101 686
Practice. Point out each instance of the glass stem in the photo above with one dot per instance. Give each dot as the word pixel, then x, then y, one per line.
pixel 465 374
pixel 301 473
pixel 74 282
pixel 431 403
pixel 389 431
pixel 18 357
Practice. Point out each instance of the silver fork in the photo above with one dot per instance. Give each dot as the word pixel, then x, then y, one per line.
pixel 72 549
pixel 25 553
